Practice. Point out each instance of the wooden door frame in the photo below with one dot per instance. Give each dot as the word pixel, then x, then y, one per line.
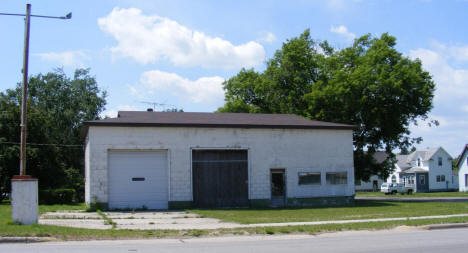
pixel 283 171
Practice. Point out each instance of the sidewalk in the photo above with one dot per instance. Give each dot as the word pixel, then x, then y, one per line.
pixel 416 199
pixel 184 221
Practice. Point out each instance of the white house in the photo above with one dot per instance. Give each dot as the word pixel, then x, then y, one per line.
pixel 462 165
pixel 163 160
pixel 425 170
pixel 374 182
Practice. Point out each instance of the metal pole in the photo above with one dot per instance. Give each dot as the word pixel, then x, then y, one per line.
pixel 25 92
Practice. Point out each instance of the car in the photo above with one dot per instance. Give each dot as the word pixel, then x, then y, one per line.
pixel 392 188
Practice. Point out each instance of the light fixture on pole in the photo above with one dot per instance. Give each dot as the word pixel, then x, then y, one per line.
pixel 24 189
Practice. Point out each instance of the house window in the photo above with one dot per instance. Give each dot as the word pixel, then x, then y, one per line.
pixel 337 177
pixel 438 178
pixel 440 161
pixel 419 162
pixel 393 179
pixel 306 178
pixel 442 178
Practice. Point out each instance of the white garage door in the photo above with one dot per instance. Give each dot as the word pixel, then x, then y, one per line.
pixel 138 179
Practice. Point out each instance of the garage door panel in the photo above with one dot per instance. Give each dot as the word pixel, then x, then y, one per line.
pixel 137 179
pixel 220 178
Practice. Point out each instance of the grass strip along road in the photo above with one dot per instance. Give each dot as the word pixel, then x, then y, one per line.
pixel 362 209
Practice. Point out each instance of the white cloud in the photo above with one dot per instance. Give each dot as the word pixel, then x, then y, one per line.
pixel 108 114
pixel 112 113
pixel 127 108
pixel 465 108
pixel 148 39
pixel 451 94
pixel 343 31
pixel 205 90
pixel 268 37
pixel 67 58
pixel 450 82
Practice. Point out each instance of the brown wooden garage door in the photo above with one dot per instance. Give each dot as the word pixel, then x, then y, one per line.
pixel 220 178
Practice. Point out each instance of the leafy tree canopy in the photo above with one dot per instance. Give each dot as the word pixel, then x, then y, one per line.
pixel 57 107
pixel 369 84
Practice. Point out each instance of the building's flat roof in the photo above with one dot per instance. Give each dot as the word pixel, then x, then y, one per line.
pixel 219 120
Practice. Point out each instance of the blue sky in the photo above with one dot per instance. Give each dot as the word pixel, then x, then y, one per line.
pixel 178 52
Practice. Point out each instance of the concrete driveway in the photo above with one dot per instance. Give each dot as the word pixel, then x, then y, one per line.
pixel 177 220
pixel 182 221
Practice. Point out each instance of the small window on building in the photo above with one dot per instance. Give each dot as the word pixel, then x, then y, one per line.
pixel 309 178
pixel 337 177
pixel 442 178
pixel 419 162
pixel 438 178
pixel 440 161
pixel 393 179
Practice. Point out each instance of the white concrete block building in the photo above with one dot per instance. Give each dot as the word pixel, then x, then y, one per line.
pixel 161 160
pixel 462 165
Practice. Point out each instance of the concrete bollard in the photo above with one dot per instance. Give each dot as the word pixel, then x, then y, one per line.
pixel 24 200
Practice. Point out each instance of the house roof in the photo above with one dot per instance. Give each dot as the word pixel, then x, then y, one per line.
pixel 224 120
pixel 465 149
pixel 404 161
pixel 380 156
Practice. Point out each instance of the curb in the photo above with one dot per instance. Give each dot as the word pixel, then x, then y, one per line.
pixel 25 239
pixel 445 226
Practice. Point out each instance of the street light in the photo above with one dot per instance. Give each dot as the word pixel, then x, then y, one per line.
pixel 24 189
pixel 28 15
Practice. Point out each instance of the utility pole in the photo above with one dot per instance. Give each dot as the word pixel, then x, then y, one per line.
pixel 24 103
pixel 24 189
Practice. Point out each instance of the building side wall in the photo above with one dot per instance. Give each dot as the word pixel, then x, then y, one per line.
pixel 292 149
pixel 369 185
pixel 87 171
pixel 462 171
pixel 436 170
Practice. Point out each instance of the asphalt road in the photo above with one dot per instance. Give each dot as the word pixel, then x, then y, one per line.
pixel 427 241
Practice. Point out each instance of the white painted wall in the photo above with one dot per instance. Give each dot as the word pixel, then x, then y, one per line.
pixel 434 170
pixel 462 171
pixel 395 173
pixel 24 201
pixel 369 185
pixel 445 169
pixel 324 150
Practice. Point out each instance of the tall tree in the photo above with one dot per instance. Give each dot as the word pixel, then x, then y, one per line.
pixel 369 84
pixel 57 108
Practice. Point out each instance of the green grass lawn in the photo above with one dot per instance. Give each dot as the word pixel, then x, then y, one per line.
pixel 363 209
pixel 414 195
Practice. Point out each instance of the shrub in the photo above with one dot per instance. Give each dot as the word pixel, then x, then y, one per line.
pixel 57 196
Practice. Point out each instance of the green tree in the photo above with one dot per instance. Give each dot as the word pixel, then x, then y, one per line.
pixel 57 108
pixel 369 84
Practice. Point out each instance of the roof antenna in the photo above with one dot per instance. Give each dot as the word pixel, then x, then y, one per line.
pixel 154 105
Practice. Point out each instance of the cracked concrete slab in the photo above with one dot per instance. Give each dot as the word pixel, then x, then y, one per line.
pixel 184 221
pixel 76 223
